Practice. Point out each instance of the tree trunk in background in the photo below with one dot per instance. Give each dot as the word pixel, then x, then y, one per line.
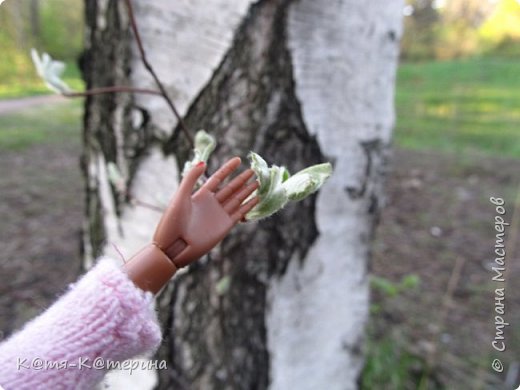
pixel 35 19
pixel 299 82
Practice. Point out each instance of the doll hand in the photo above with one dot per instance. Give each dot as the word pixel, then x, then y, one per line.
pixel 194 223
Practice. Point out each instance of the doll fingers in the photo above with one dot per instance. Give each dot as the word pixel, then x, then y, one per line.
pixel 240 214
pixel 224 193
pixel 236 200
pixel 227 169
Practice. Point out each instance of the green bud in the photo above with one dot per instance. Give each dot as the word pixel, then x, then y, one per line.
pixel 50 71
pixel 307 181
pixel 204 145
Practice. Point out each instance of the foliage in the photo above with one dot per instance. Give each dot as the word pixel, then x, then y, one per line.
pixel 55 25
pixel 277 186
pixel 460 28
pixel 501 32
pixel 50 71
pixel 420 30
pixel 458 106
pixel 204 145
pixel 392 289
pixel 62 28
pixel 33 85
pixel 388 365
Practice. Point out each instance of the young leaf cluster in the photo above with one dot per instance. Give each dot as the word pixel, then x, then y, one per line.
pixel 277 186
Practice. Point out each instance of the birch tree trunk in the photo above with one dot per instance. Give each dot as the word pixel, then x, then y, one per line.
pixel 299 82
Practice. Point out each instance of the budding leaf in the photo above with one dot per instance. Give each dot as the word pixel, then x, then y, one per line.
pixel 271 192
pixel 50 71
pixel 223 285
pixel 277 187
pixel 116 178
pixel 262 172
pixel 204 146
pixel 307 181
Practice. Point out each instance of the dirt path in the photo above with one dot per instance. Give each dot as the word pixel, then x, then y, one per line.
pixel 13 105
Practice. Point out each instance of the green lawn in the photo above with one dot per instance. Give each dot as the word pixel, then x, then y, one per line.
pixel 29 84
pixel 458 106
pixel 53 123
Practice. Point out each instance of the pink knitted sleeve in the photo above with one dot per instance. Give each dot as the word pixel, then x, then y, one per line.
pixel 103 316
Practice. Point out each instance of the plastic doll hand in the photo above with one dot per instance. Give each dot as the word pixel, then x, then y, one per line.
pixel 194 223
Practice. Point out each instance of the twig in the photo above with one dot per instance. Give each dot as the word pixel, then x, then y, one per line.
pixel 119 252
pixel 102 90
pixel 138 202
pixel 150 69
pixel 446 303
pixel 452 285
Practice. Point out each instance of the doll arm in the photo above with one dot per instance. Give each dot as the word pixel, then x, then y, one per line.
pixel 193 224
pixel 103 316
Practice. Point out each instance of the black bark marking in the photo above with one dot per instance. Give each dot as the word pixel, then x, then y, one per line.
pixel 249 104
pixel 226 335
pixel 106 62
pixel 370 148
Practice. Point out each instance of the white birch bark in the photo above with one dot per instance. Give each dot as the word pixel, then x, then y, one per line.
pixel 185 41
pixel 343 56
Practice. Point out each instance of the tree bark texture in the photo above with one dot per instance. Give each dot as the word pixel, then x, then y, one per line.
pixel 300 82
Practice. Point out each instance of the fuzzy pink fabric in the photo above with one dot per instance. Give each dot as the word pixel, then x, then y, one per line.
pixel 102 316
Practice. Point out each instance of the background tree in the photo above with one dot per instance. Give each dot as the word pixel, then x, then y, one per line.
pixel 459 29
pixel 281 303
pixel 500 32
pixel 55 27
pixel 421 27
pixel 450 29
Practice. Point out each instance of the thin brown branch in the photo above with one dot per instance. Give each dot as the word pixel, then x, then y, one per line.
pixel 447 302
pixel 138 202
pixel 119 252
pixel 102 90
pixel 150 69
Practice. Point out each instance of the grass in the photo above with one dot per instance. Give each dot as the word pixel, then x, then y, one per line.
pixel 452 106
pixel 30 85
pixel 46 124
pixel 460 106
pixel 390 366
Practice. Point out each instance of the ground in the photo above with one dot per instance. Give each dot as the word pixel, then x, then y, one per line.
pixel 437 216
pixel 41 203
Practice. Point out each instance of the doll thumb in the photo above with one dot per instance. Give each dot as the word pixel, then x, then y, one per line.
pixel 192 177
